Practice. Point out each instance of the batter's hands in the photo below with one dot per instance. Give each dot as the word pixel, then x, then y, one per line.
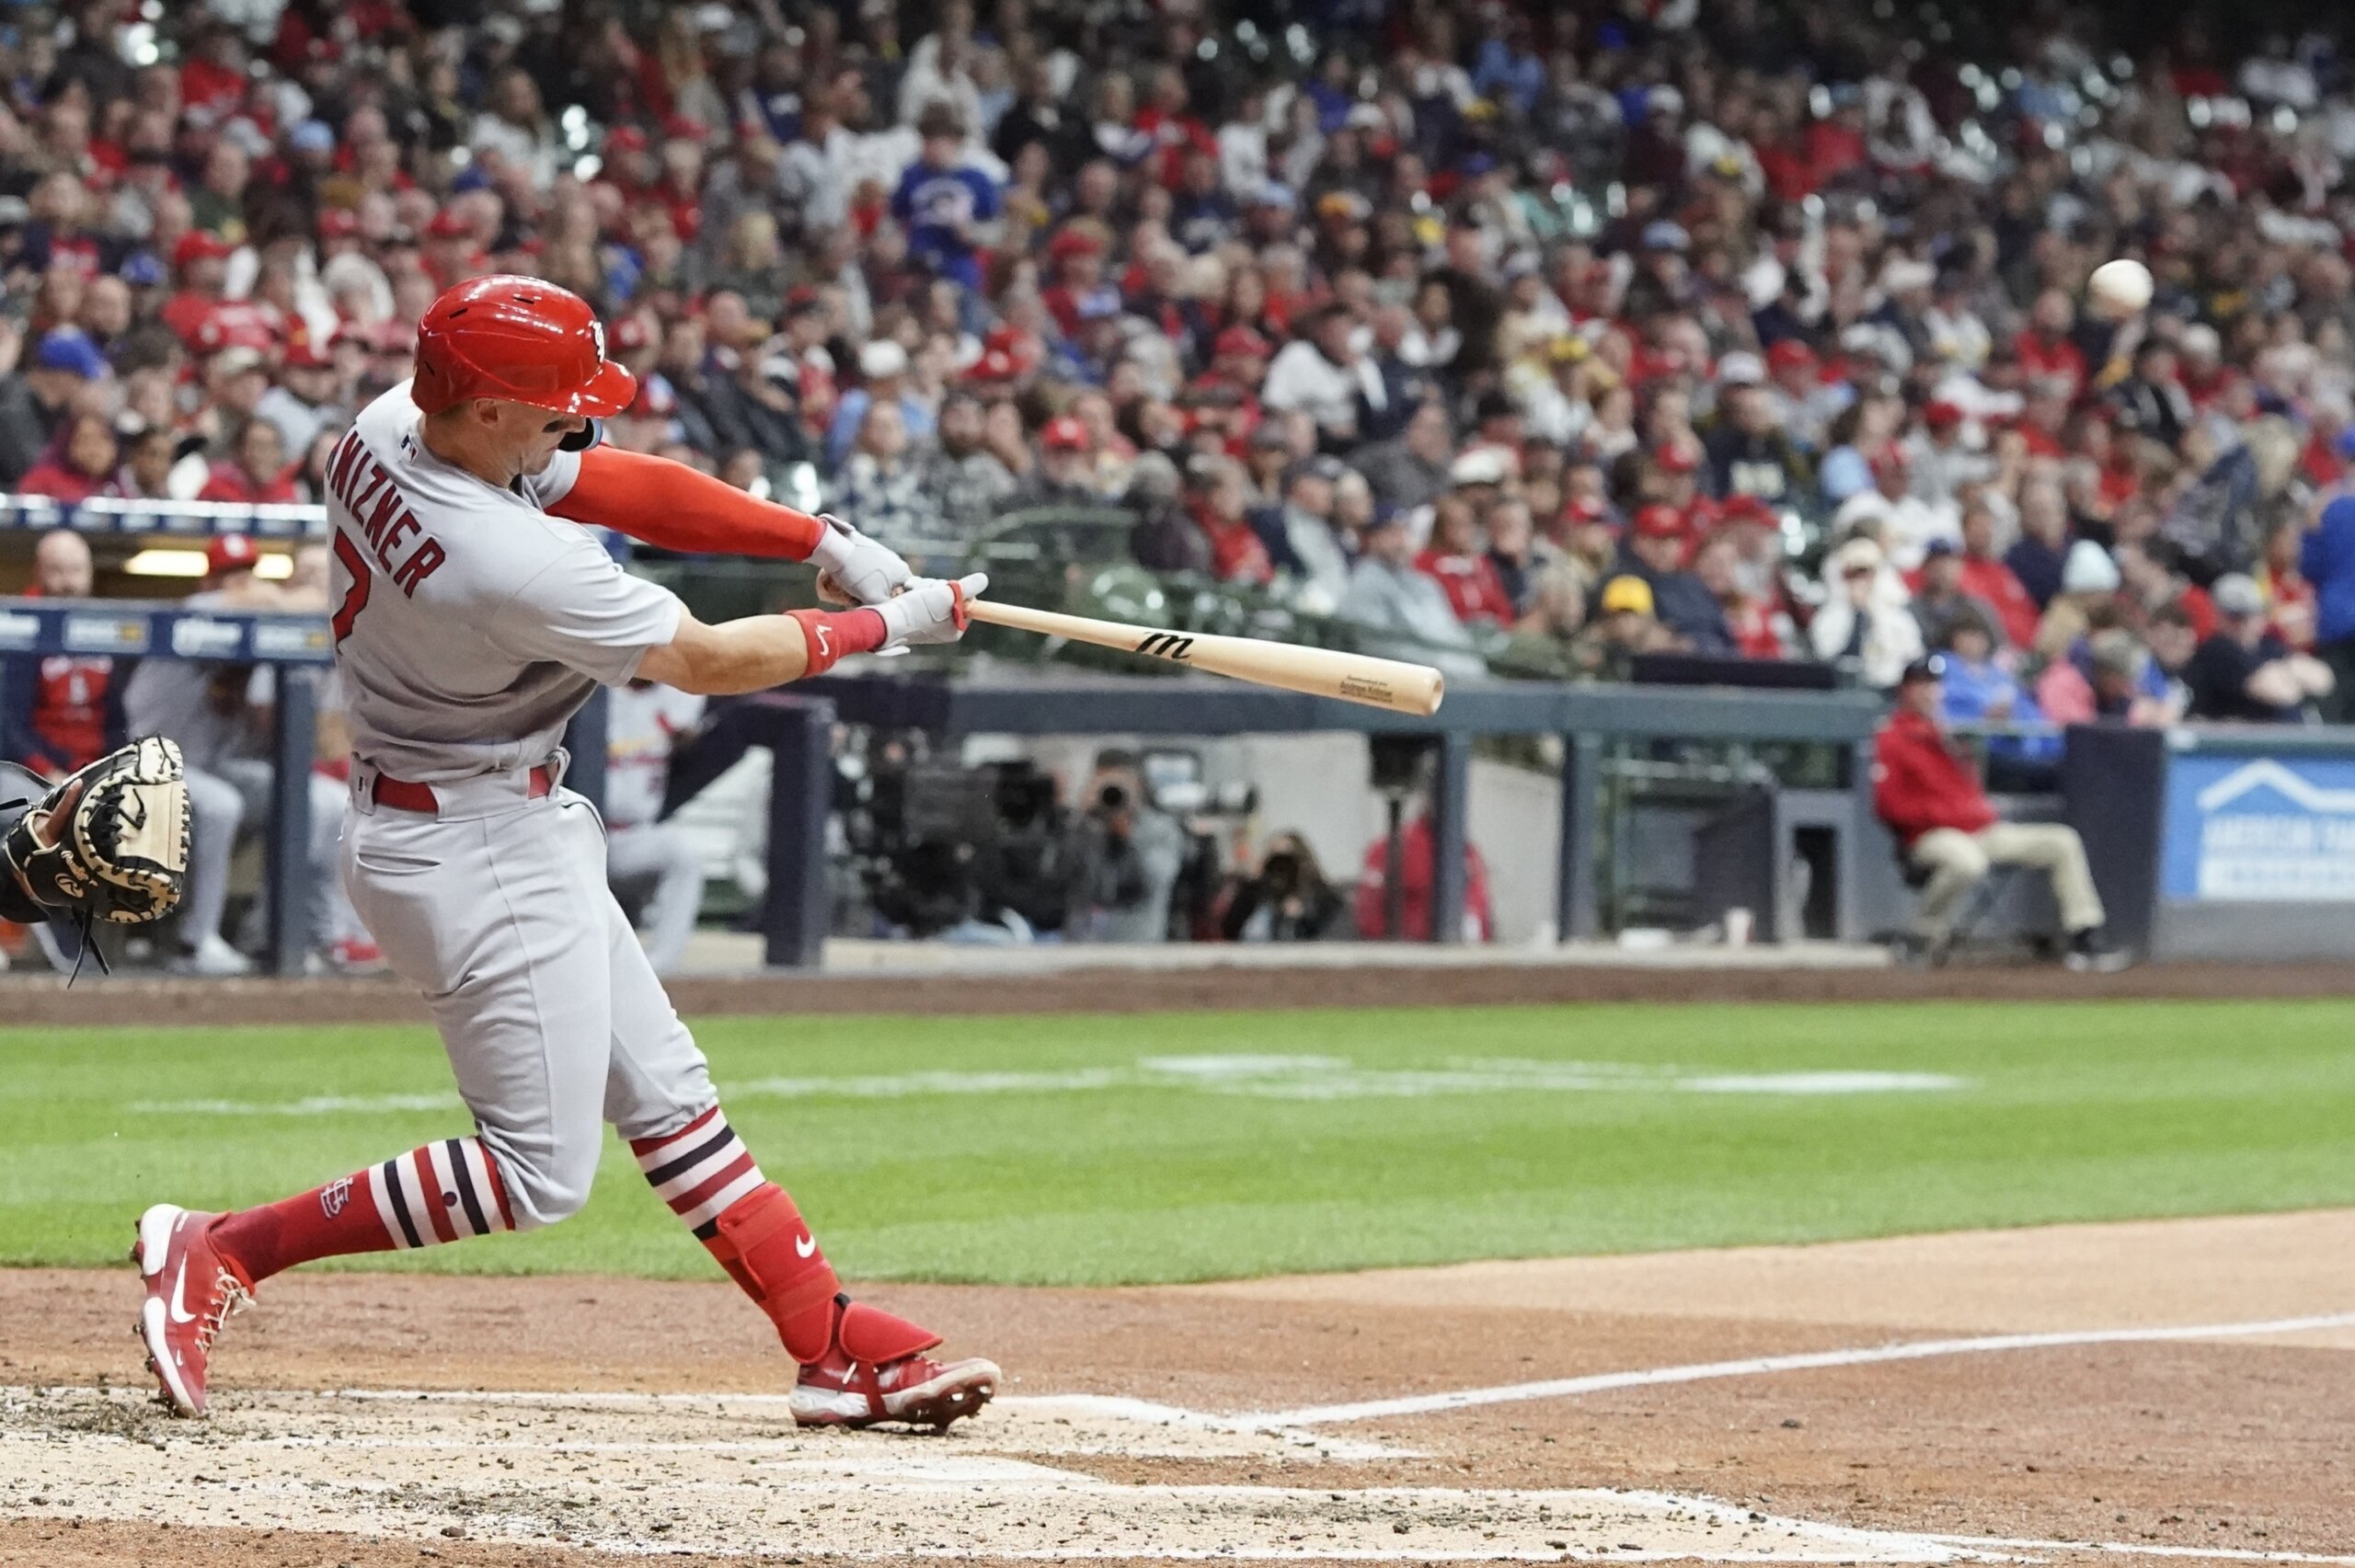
pixel 857 568
pixel 932 609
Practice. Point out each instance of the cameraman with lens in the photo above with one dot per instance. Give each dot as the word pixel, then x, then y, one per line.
pixel 1288 900
pixel 1028 868
pixel 1129 858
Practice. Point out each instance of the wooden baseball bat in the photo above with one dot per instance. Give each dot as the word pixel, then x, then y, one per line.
pixel 1321 672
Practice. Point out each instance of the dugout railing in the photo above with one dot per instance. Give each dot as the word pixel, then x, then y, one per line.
pixel 1598 723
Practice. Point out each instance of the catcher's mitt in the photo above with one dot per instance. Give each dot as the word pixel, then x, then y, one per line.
pixel 109 843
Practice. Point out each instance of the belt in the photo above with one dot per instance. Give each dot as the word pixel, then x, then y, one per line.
pixel 402 795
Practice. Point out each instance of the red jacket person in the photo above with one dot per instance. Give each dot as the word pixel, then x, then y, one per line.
pixel 1931 799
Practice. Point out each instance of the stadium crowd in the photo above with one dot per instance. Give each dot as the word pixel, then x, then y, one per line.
pixel 1532 338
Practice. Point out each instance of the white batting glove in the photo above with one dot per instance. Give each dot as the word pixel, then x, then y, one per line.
pixel 931 610
pixel 861 568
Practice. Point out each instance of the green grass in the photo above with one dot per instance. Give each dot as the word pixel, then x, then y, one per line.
pixel 2081 1111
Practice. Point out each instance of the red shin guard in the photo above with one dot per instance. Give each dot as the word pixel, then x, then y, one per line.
pixel 765 1244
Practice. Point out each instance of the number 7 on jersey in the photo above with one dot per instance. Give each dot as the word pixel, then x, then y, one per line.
pixel 356 599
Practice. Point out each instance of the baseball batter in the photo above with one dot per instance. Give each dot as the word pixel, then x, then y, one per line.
pixel 475 613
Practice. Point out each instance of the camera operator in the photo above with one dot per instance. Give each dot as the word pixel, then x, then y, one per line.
pixel 1029 867
pixel 1288 900
pixel 1129 858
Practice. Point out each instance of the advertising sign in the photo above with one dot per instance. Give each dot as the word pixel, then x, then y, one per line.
pixel 2259 829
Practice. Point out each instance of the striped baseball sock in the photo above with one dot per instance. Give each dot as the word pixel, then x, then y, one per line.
pixel 703 1171
pixel 437 1193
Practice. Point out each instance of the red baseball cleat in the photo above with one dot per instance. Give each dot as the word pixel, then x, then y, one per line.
pixel 838 1391
pixel 191 1291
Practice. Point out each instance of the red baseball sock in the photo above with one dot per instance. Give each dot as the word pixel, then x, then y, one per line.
pixel 708 1176
pixel 753 1228
pixel 437 1192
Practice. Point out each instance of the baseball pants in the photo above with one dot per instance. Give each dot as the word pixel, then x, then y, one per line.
pixel 328 915
pixel 549 1008
pixel 659 861
pixel 215 810
pixel 1957 860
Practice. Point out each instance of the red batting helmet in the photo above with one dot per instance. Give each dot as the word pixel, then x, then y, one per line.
pixel 520 339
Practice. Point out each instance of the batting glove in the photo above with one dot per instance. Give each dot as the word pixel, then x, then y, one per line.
pixel 864 571
pixel 931 610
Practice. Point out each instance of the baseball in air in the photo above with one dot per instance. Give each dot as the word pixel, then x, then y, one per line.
pixel 2120 288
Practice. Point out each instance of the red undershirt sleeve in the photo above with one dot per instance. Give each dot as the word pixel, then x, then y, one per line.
pixel 674 506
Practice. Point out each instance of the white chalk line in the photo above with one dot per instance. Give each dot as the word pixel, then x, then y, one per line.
pixel 1295 1423
pixel 2144 1549
pixel 1757 1366
pixel 1314 1078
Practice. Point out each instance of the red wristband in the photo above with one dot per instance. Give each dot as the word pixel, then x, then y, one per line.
pixel 833 636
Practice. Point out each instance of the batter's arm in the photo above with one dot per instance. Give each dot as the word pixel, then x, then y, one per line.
pixel 674 506
pixel 761 651
pixel 750 655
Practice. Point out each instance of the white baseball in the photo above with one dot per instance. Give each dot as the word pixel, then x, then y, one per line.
pixel 2120 288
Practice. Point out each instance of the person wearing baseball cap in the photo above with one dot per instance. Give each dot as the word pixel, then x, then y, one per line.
pixel 1075 255
pixel 450 253
pixel 1624 625
pixel 1950 835
pixel 1654 551
pixel 883 373
pixel 1403 611
pixel 177 697
pixel 2243 671
pixel 227 557
pixel 200 262
pixel 1064 474
pixel 34 404
pixel 1864 624
pixel 303 401
pixel 1747 450
pixel 1808 403
pixel 1904 521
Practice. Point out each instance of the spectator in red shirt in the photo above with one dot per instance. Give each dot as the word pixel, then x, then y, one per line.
pixel 2045 348
pixel 79 463
pixel 200 260
pixel 1076 252
pixel 1415 862
pixel 2289 597
pixel 1986 578
pixel 259 476
pixel 1457 561
pixel 1220 506
pixel 1836 145
pixel 1948 829
pixel 1760 630
pixel 1173 129
pixel 62 712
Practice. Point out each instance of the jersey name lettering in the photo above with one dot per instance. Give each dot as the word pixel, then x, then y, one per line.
pixel 377 505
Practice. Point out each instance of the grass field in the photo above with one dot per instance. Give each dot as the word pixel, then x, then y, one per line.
pixel 1125 1149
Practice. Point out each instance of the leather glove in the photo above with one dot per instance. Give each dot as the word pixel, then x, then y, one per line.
pixel 109 843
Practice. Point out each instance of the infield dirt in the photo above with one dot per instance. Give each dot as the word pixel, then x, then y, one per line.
pixel 1120 1439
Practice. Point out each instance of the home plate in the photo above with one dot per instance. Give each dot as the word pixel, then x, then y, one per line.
pixel 647 1474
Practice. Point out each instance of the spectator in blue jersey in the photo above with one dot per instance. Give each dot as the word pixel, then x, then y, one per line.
pixel 1976 689
pixel 943 202
pixel 2328 562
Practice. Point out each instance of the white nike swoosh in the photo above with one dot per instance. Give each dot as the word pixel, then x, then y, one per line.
pixel 804 1244
pixel 179 1286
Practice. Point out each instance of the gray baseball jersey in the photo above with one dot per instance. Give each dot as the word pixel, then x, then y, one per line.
pixel 470 625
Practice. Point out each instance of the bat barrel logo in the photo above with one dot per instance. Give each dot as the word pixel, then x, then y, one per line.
pixel 1166 645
